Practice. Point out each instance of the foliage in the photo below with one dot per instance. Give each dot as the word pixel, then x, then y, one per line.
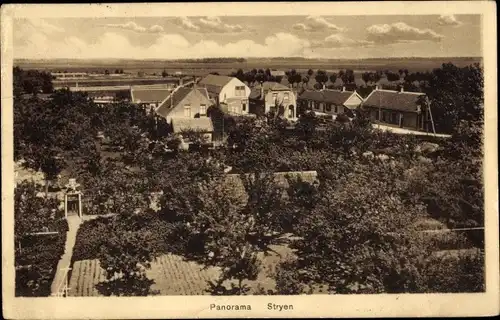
pixel 456 94
pixel 32 81
pixel 36 257
pixel 125 256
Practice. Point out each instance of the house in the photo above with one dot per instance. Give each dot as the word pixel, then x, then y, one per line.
pixel 203 126
pixel 398 108
pixel 269 96
pixel 185 102
pixel 150 96
pixel 277 73
pixel 330 102
pixel 228 92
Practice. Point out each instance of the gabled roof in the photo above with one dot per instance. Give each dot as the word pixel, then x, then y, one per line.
pixel 149 95
pixel 393 100
pixel 171 101
pixel 267 86
pixel 199 124
pixel 335 97
pixel 214 83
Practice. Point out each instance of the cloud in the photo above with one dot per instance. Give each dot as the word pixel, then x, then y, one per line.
pixel 167 46
pixel 135 27
pixel 207 24
pixel 340 41
pixel 448 20
pixel 316 23
pixel 400 32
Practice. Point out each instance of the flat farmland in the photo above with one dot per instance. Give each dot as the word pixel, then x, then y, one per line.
pixel 173 275
pixel 203 68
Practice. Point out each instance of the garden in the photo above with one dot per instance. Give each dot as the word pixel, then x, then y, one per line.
pixel 356 229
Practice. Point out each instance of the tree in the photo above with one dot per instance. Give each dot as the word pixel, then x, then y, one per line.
pixel 164 73
pixel 125 256
pixel 391 76
pixel 456 94
pixel 347 76
pixel 352 243
pixel 333 78
pixel 305 81
pixel 106 72
pixel 240 75
pixel 310 72
pixel 321 77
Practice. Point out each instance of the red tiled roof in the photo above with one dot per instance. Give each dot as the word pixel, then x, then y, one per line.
pixel 393 100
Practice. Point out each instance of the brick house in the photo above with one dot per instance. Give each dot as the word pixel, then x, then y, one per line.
pixel 202 125
pixel 227 92
pixel 330 102
pixel 269 96
pixel 398 108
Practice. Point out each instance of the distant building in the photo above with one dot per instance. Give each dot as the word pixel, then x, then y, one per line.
pixel 277 73
pixel 398 108
pixel 69 75
pixel 185 103
pixel 149 96
pixel 269 96
pixel 228 92
pixel 331 102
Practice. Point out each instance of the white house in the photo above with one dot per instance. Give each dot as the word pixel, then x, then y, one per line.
pixel 228 92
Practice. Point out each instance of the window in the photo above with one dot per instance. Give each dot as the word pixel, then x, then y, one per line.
pixel 203 110
pixel 286 96
pixel 275 96
pixel 244 105
pixel 316 105
pixel 336 109
pixel 328 107
pixel 239 91
pixel 187 111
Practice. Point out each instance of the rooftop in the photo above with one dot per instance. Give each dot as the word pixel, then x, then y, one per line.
pixel 267 86
pixel 175 97
pixel 214 83
pixel 149 95
pixel 394 100
pixel 336 97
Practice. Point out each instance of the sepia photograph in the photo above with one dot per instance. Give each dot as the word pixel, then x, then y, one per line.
pixel 208 152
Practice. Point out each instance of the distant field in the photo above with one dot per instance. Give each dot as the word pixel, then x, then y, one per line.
pixel 202 68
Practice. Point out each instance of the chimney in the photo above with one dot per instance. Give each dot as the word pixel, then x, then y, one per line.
pixel 343 89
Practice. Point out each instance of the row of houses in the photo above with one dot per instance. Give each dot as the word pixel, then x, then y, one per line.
pixel 193 99
pixel 409 110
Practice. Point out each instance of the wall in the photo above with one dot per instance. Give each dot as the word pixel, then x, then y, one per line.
pixel 409 118
pixel 229 92
pixel 270 102
pixel 354 101
pixel 195 98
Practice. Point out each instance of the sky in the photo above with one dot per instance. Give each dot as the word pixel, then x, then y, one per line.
pixel 335 37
